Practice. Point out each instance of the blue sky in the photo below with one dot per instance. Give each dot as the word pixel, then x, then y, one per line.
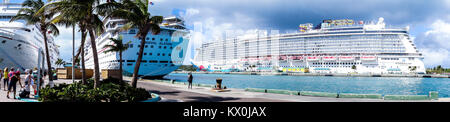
pixel 429 20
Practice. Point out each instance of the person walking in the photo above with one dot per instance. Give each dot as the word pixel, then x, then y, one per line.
pixel 13 83
pixel 1 77
pixel 5 78
pixel 190 78
pixel 28 83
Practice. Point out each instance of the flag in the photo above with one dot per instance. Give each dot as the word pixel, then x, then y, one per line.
pixel 151 3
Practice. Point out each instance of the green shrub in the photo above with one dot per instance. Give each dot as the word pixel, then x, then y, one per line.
pixel 109 90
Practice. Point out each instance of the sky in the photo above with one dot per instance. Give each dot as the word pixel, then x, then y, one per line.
pixel 429 20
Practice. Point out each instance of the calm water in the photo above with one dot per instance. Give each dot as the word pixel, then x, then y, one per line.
pixel 361 85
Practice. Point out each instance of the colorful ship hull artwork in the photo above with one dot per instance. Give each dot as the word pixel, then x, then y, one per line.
pixel 336 46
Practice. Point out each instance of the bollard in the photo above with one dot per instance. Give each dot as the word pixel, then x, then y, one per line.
pixel 433 95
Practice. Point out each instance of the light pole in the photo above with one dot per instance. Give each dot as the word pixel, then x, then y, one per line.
pixel 39 72
pixel 73 54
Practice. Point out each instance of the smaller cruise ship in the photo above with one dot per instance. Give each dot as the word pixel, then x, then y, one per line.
pixel 163 53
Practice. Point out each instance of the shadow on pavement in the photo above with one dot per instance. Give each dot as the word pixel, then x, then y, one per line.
pixel 210 99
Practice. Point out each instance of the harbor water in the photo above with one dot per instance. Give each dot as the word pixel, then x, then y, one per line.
pixel 357 85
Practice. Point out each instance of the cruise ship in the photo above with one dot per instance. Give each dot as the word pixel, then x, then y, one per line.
pixel 163 53
pixel 333 46
pixel 20 43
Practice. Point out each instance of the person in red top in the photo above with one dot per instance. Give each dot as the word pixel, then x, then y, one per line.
pixel 13 83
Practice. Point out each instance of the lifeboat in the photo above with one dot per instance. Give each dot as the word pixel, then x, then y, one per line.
pixel 346 58
pixel 313 58
pixel 282 58
pixel 368 58
pixel 329 58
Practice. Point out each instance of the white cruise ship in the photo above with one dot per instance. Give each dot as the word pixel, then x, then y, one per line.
pixel 163 53
pixel 334 46
pixel 20 43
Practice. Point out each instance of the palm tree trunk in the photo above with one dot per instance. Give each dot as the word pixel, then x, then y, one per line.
pixel 120 67
pixel 94 55
pixel 138 62
pixel 83 68
pixel 49 66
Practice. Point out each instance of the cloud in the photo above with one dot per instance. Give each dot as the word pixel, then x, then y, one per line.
pixel 435 45
pixel 434 57
pixel 64 40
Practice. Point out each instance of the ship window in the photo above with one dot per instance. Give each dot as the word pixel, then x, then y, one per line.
pixel 153 61
pixel 165 47
pixel 131 45
pixel 159 54
pixel 145 53
pixel 4 41
pixel 150 54
pixel 153 38
pixel 170 54
pixel 131 61
pixel 167 39
pixel 161 39
pixel 146 46
pixel 159 47
pixel 151 46
pixel 144 61
pixel 164 54
pixel 163 61
pixel 147 38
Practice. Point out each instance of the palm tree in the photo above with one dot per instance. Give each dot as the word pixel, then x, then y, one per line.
pixel 84 13
pixel 60 62
pixel 135 13
pixel 29 13
pixel 118 46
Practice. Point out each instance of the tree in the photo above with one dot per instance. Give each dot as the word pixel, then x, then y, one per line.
pixel 118 46
pixel 135 13
pixel 29 13
pixel 60 62
pixel 84 12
